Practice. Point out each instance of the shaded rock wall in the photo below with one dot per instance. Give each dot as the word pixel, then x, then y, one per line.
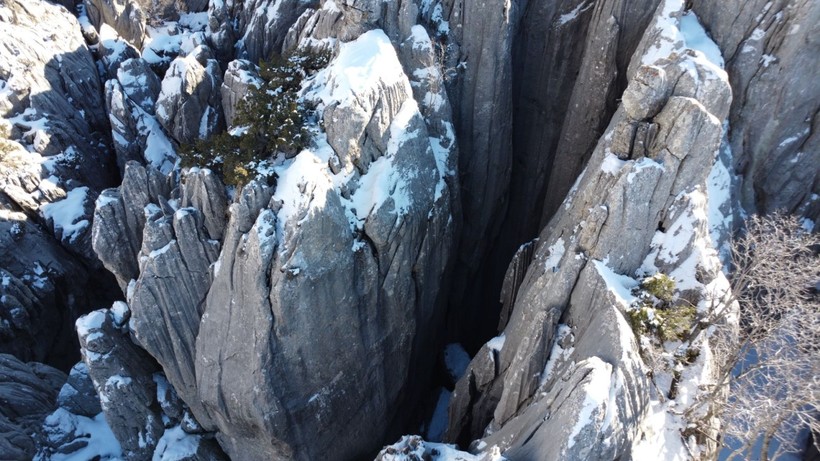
pixel 770 48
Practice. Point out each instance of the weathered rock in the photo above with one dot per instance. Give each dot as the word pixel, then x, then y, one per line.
pixel 130 100
pixel 119 220
pixel 128 17
pixel 294 265
pixel 28 392
pixel 565 281
pixel 122 374
pixel 257 26
pixel 189 106
pixel 78 395
pixel 43 290
pixel 168 298
pixel 239 76
pixel 52 90
pixel 770 48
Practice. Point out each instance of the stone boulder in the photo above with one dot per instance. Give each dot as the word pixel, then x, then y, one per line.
pixel 28 392
pixel 189 107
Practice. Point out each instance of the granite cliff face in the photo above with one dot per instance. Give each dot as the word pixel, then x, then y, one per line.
pixel 550 154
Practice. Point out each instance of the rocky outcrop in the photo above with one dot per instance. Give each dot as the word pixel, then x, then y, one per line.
pixel 258 27
pixel 131 100
pixel 770 47
pixel 189 106
pixel 52 94
pixel 28 392
pixel 122 374
pixel 587 403
pixel 239 76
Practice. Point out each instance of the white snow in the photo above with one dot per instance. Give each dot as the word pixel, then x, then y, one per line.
pixel 556 252
pixel 100 442
pixel 612 164
pixel 619 285
pixel 412 447
pixel 558 353
pixel 383 180
pixel 572 15
pixel 120 312
pixel 361 65
pixel 91 321
pixel 675 35
pixel 695 38
pixel 596 396
pixel 176 444
pixel 67 215
pixel 497 343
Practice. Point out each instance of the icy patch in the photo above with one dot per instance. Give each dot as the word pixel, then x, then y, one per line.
pixel 438 423
pixel 176 444
pixel 67 214
pixel 695 38
pixel 619 285
pixel 93 438
pixel 556 251
pixel 675 35
pixel 612 164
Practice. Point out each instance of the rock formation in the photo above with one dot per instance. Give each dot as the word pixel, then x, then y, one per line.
pixel 299 315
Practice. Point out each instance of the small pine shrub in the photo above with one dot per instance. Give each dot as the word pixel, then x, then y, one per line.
pixel 272 119
pixel 655 312
pixel 661 286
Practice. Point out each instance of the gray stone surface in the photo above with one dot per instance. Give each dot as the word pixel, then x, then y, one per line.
pixel 770 49
pixel 189 106
pixel 28 392
pixel 239 76
pixel 119 220
pixel 130 100
pixel 257 26
pixel 78 395
pixel 631 190
pixel 122 374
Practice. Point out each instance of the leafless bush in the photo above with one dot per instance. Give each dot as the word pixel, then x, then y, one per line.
pixel 770 365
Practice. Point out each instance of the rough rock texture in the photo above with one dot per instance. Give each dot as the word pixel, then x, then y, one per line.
pixel 122 374
pixel 239 76
pixel 131 18
pixel 128 17
pixel 189 106
pixel 43 289
pixel 28 392
pixel 119 220
pixel 78 395
pixel 770 48
pixel 283 286
pixel 631 182
pixel 258 27
pixel 130 101
pixel 52 93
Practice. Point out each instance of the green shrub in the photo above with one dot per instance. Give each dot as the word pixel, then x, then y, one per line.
pixel 655 313
pixel 661 286
pixel 270 119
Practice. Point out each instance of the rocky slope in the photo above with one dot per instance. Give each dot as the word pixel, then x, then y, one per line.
pixel 550 154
